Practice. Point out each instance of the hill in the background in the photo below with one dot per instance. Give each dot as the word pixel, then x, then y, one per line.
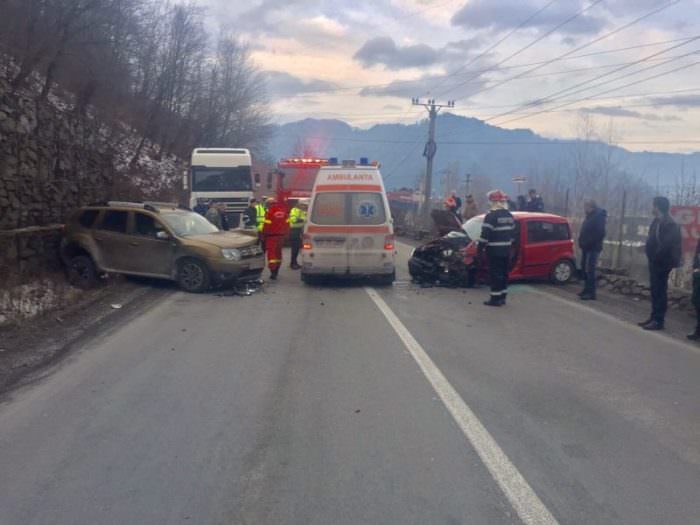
pixel 485 151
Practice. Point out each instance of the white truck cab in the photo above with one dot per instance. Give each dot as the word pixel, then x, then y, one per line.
pixel 349 231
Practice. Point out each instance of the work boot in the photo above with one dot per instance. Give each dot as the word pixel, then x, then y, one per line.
pixel 294 266
pixel 273 274
pixel 654 326
pixel 587 297
pixel 494 301
pixel 695 336
pixel 644 323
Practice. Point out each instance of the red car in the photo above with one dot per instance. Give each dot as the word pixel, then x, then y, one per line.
pixel 543 247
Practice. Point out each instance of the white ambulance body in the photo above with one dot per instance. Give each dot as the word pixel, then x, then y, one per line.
pixel 349 230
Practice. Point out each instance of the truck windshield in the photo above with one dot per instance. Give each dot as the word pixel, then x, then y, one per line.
pixel 221 179
pixel 351 208
pixel 299 179
pixel 185 224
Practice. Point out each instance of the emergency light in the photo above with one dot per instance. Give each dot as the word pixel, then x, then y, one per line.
pixel 364 161
pixel 333 161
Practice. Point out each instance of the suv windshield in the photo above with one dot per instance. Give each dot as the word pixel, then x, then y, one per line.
pixel 348 208
pixel 185 224
pixel 221 179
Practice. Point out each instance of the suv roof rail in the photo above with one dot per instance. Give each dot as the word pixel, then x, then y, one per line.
pixel 148 205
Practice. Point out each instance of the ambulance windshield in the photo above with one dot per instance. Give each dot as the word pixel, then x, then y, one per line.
pixel 348 208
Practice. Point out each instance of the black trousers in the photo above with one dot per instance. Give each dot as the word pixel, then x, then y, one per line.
pixel 696 299
pixel 658 282
pixel 295 237
pixel 498 275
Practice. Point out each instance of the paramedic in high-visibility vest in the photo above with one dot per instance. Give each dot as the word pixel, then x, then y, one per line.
pixel 297 220
pixel 260 212
pixel 275 230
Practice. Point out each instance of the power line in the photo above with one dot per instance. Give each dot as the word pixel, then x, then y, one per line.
pixel 552 142
pixel 342 90
pixel 653 77
pixel 499 106
pixel 495 45
pixel 579 48
pixel 578 88
pixel 535 41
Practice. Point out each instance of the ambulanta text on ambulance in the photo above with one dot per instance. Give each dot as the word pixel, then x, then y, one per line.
pixel 349 230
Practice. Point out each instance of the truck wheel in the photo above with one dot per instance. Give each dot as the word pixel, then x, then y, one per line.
pixel 193 276
pixel 82 272
pixel 562 272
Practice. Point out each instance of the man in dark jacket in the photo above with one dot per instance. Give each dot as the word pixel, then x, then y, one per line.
pixel 663 249
pixel 695 336
pixel 590 240
pixel 534 202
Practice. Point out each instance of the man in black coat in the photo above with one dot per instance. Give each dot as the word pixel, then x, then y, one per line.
pixel 534 202
pixel 590 240
pixel 663 249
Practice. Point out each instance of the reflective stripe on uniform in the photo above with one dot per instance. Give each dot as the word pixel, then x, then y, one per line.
pixel 503 228
pixel 507 243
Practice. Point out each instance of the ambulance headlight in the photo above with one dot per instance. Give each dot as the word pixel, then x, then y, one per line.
pixel 231 254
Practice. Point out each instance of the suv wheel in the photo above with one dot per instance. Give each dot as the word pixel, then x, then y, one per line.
pixel 193 276
pixel 82 272
pixel 562 272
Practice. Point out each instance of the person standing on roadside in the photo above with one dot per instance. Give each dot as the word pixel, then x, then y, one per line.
pixel 534 202
pixel 497 235
pixel 214 215
pixel 458 203
pixel 663 250
pixel 590 240
pixel 250 215
pixel 471 208
pixel 297 220
pixel 695 336
pixel 275 230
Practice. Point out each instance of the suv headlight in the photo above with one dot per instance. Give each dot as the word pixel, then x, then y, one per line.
pixel 231 254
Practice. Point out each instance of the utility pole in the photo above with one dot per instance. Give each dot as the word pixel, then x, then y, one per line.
pixel 467 183
pixel 429 152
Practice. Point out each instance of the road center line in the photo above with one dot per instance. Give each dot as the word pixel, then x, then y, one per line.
pixel 521 496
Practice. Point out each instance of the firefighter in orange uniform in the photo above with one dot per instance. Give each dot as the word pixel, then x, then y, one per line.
pixel 275 231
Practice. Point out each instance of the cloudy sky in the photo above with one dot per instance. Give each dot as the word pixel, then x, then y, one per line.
pixel 537 64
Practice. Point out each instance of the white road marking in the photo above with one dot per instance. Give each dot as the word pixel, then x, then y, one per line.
pixel 661 336
pixel 521 496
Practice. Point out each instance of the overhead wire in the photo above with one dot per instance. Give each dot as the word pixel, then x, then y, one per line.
pixel 579 48
pixel 633 83
pixel 580 87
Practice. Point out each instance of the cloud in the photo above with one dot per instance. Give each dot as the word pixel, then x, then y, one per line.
pixel 431 84
pixel 393 107
pixel 283 84
pixel 619 111
pixel 383 50
pixel 679 101
pixel 504 15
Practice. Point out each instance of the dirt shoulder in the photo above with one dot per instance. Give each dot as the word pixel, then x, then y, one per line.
pixel 35 345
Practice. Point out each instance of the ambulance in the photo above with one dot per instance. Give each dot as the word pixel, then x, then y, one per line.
pixel 349 230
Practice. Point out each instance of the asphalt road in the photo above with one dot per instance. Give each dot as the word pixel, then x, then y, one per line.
pixel 341 404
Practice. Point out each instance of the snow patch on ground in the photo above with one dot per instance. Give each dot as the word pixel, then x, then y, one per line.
pixel 26 301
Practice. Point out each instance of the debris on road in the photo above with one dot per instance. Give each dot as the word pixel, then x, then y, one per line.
pixel 245 289
pixel 116 306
